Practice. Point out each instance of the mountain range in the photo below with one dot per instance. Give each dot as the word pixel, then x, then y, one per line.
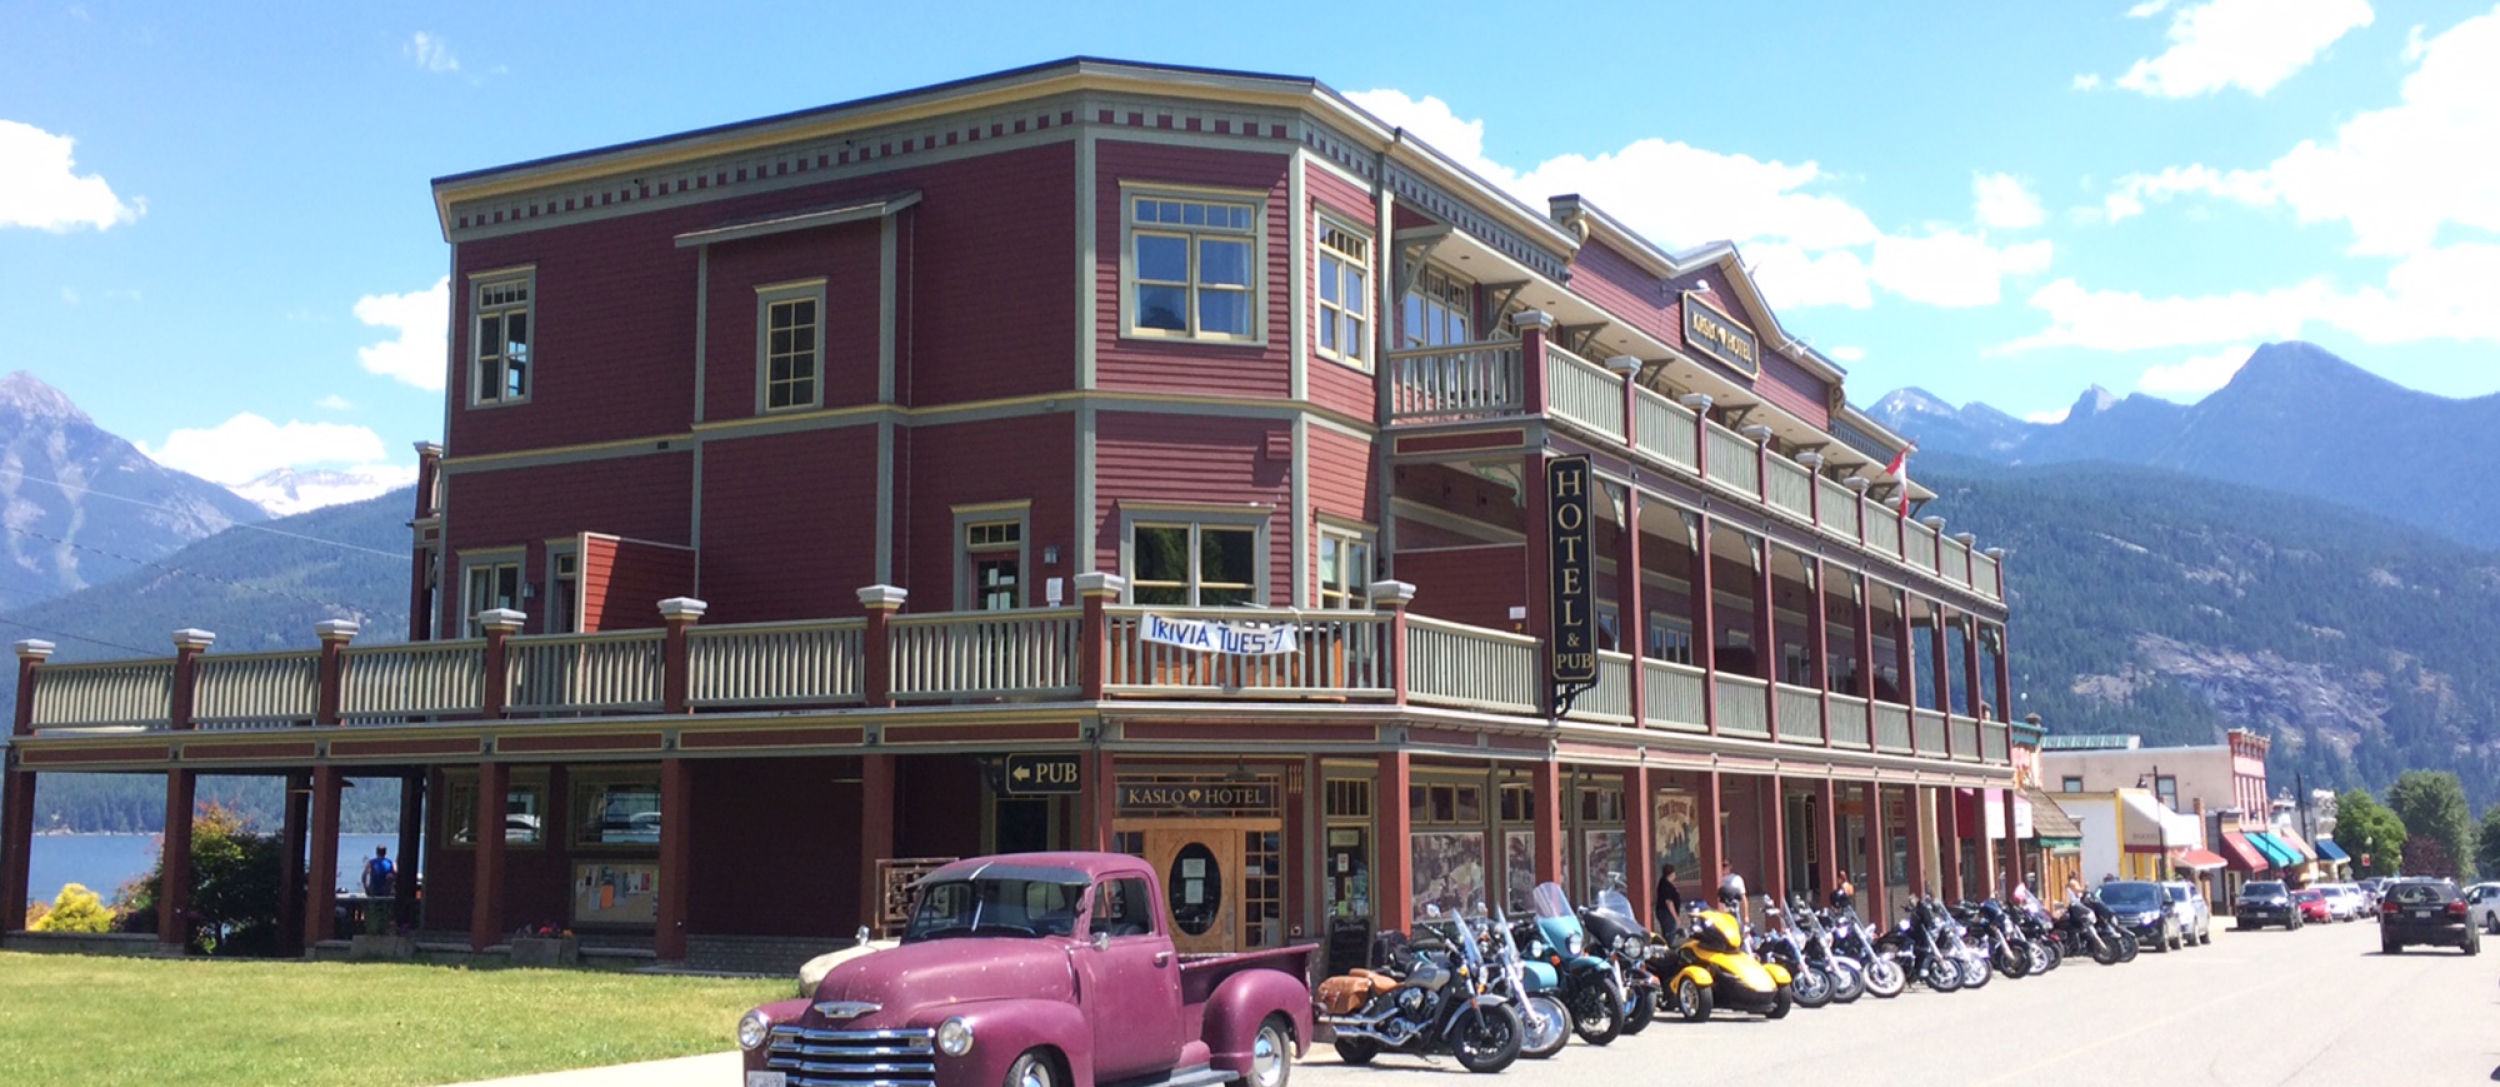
pixel 2295 419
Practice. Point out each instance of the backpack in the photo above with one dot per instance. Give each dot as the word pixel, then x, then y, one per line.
pixel 378 872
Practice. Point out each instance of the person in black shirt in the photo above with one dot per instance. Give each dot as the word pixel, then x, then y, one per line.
pixel 1669 905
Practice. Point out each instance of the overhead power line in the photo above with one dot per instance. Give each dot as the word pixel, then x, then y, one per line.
pixel 72 487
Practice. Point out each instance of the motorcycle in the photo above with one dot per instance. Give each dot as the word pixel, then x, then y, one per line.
pixel 1955 939
pixel 1884 976
pixel 1709 970
pixel 1432 999
pixel 1587 980
pixel 1618 935
pixel 1530 986
pixel 2091 928
pixel 1918 948
pixel 1779 943
pixel 2006 949
pixel 2047 951
pixel 1848 975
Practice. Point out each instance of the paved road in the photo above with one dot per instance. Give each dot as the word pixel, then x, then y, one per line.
pixel 2319 1006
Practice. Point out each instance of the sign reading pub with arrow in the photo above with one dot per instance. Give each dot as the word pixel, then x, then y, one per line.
pixel 1043 775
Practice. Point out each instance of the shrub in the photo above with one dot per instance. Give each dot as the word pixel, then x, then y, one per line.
pixel 235 886
pixel 76 909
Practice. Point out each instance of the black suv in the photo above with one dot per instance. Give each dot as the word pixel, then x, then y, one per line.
pixel 2265 902
pixel 2425 911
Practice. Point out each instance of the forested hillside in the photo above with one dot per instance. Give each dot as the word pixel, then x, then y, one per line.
pixel 2151 602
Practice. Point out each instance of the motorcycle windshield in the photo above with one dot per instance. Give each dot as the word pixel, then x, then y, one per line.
pixel 1551 901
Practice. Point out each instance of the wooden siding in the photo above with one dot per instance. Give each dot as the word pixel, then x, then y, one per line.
pixel 1635 297
pixel 789 524
pixel 846 257
pixel 789 867
pixel 641 497
pixel 622 590
pixel 1477 586
pixel 1219 369
pixel 1195 459
pixel 1783 382
pixel 1334 384
pixel 1032 458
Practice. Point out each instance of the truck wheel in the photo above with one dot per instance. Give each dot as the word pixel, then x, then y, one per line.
pixel 1034 1068
pixel 1357 1051
pixel 1271 1054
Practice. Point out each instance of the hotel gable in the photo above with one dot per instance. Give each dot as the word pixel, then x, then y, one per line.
pixel 1108 456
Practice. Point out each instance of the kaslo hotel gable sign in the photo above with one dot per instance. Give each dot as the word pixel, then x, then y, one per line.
pixel 1572 585
pixel 1709 330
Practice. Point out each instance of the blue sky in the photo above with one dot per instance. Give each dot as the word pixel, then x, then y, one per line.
pixel 216 236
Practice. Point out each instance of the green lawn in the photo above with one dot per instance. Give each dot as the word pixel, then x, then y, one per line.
pixel 77 1019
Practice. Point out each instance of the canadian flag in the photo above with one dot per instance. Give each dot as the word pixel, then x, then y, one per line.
pixel 1899 470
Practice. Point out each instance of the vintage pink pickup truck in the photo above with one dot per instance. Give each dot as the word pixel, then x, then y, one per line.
pixel 1039 970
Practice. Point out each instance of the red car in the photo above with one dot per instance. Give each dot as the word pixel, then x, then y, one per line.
pixel 2312 905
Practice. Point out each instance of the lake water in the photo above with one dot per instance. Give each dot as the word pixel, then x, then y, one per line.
pixel 103 862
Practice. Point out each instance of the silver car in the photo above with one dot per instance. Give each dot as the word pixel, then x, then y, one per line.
pixel 2482 904
pixel 2188 906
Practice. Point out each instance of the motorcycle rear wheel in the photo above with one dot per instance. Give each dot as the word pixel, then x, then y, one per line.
pixel 1491 1042
pixel 1848 982
pixel 1545 1026
pixel 1357 1051
pixel 1811 987
pixel 1885 978
pixel 1640 1010
pixel 2128 947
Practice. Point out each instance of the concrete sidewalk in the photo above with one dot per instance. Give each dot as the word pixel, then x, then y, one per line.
pixel 708 1070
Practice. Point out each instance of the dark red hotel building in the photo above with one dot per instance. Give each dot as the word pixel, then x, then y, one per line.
pixel 819 496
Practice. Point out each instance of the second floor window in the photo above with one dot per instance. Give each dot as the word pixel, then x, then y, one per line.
pixel 502 350
pixel 994 556
pixel 1344 295
pixel 491 585
pixel 1670 638
pixel 1192 268
pixel 1194 565
pixel 1345 569
pixel 792 329
pixel 1440 311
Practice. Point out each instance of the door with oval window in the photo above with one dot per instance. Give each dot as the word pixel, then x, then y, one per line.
pixel 1201 869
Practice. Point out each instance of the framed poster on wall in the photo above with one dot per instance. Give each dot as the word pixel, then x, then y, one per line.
pixel 1604 850
pixel 621 893
pixel 1675 828
pixel 1448 870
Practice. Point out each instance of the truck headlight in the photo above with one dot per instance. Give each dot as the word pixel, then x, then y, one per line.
pixel 954 1037
pixel 754 1030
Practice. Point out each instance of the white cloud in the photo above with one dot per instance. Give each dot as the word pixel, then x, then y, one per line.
pixel 1846 354
pixel 2050 418
pixel 2147 9
pixel 2134 190
pixel 2197 375
pixel 41 188
pixel 334 402
pixel 2249 44
pixel 1807 247
pixel 432 53
pixel 2437 294
pixel 2002 200
pixel 1953 269
pixel 247 446
pixel 423 322
pixel 2128 321
pixel 2086 82
pixel 2415 43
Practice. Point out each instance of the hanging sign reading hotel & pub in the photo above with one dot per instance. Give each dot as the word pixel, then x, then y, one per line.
pixel 1570 539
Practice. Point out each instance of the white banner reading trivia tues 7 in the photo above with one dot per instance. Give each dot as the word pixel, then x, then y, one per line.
pixel 1211 636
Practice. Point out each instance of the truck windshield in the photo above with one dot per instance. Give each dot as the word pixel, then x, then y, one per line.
pixel 995 907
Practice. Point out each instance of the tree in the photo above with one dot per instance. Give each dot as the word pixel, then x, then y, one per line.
pixel 2372 834
pixel 2426 856
pixel 2487 843
pixel 76 909
pixel 2432 805
pixel 235 885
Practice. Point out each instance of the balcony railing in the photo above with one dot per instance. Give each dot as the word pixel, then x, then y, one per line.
pixel 1734 462
pixel 886 659
pixel 1584 392
pixel 1790 488
pixel 1666 429
pixel 1462 381
pixel 1840 509
pixel 1883 533
pixel 1918 545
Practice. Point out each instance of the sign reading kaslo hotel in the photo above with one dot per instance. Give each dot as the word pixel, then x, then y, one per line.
pixel 1709 330
pixel 1569 540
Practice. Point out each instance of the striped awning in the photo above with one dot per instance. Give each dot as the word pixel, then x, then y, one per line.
pixel 2329 851
pixel 2243 855
pixel 2291 841
pixel 2277 854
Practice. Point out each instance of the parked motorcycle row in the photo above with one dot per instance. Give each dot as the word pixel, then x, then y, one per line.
pixel 1488 989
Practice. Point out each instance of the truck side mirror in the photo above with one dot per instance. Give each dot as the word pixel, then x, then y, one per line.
pixel 1102 939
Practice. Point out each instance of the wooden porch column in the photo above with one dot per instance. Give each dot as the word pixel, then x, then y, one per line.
pixel 1393 873
pixel 291 836
pixel 1905 655
pixel 678 614
pixel 1864 591
pixel 1949 840
pixel 500 624
pixel 1394 596
pixel 494 782
pixel 876 669
pixel 1705 623
pixel 1819 636
pixel 1640 850
pixel 173 901
pixel 1712 851
pixel 1099 797
pixel 2013 845
pixel 1633 598
pixel 330 672
pixel 408 865
pixel 1827 838
pixel 1775 848
pixel 1878 859
pixel 1549 820
pixel 17 839
pixel 1942 669
pixel 1533 326
pixel 876 832
pixel 1922 840
pixel 188 645
pixel 1970 667
pixel 321 855
pixel 1766 629
pixel 2005 689
pixel 676 857
pixel 1096 591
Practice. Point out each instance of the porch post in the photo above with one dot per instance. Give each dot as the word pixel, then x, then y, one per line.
pixel 1533 326
pixel 1640 849
pixel 330 684
pixel 500 624
pixel 1775 849
pixel 676 858
pixel 321 857
pixel 31 653
pixel 1970 668
pixel 1633 597
pixel 1394 596
pixel 1713 848
pixel 679 614
pixel 1099 795
pixel 877 643
pixel 188 645
pixel 1878 858
pixel 1705 628
pixel 1819 636
pixel 17 839
pixel 1097 591
pixel 1827 836
pixel 2013 844
pixel 1949 840
pixel 1766 630
pixel 1864 590
pixel 173 900
pixel 411 847
pixel 876 832
pixel 1921 839
pixel 494 783
pixel 1549 820
pixel 291 831
pixel 1393 873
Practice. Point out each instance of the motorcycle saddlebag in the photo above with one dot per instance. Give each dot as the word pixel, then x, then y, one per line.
pixel 1346 994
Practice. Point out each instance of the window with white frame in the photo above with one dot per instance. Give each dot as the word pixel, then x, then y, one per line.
pixel 1796 665
pixel 1345 568
pixel 789 345
pixel 491 584
pixel 1193 263
pixel 564 597
pixel 1345 295
pixel 1670 638
pixel 994 562
pixel 501 373
pixel 1440 311
pixel 1194 563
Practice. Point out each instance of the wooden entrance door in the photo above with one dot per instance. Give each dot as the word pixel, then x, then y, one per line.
pixel 1201 868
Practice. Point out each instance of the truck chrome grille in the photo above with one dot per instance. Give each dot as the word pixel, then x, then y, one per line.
pixel 854 1058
